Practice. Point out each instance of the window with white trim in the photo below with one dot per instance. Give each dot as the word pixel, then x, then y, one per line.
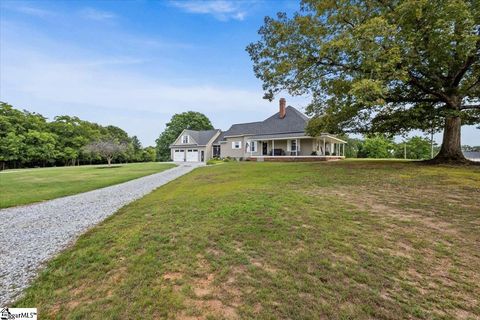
pixel 253 146
pixel 185 139
pixel 236 144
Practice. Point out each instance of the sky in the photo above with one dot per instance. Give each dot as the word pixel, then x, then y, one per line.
pixel 134 64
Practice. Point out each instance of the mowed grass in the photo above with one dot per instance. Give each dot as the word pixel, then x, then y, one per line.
pixel 340 240
pixel 24 186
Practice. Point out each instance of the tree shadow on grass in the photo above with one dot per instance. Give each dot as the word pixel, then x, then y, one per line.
pixel 106 167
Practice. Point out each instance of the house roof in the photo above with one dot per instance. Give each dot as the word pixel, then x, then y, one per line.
pixel 293 122
pixel 243 128
pixel 201 137
pixel 219 138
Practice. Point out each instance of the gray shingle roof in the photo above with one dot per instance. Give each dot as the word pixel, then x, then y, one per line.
pixel 293 122
pixel 202 137
pixel 219 138
pixel 244 128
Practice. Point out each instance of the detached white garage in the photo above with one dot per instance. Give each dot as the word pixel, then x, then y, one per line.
pixel 193 145
pixel 192 155
pixel 179 155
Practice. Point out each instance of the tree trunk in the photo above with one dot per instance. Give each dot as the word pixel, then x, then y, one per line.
pixel 109 161
pixel 451 150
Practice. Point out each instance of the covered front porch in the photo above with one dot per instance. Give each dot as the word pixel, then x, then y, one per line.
pixel 295 148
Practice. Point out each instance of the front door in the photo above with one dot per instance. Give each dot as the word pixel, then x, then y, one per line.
pixel 265 148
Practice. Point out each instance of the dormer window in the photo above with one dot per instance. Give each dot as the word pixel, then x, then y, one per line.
pixel 185 139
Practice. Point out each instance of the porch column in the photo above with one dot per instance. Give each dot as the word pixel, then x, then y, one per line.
pixel 324 151
pixel 296 147
pixel 273 148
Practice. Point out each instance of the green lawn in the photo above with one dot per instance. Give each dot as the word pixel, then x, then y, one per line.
pixel 340 240
pixel 18 187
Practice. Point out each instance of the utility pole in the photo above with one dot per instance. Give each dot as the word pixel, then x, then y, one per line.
pixel 432 130
pixel 404 136
pixel 431 144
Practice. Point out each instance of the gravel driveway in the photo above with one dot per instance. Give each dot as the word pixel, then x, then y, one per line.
pixel 31 235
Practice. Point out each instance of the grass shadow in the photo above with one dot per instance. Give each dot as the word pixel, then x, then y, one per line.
pixel 111 167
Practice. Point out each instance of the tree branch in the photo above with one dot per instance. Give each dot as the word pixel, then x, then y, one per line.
pixel 407 99
pixel 416 82
pixel 468 63
pixel 477 82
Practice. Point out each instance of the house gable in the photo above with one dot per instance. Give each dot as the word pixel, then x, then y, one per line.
pixel 179 140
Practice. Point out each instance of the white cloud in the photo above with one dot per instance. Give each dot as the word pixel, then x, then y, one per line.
pixel 104 89
pixel 98 15
pixel 220 9
pixel 32 11
pixel 99 83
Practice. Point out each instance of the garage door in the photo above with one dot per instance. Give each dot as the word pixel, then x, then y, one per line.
pixel 179 155
pixel 192 155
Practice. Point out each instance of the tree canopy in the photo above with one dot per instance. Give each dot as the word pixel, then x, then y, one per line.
pixel 180 121
pixel 107 149
pixel 414 148
pixel 378 66
pixel 376 146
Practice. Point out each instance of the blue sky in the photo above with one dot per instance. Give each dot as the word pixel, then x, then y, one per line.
pixel 136 63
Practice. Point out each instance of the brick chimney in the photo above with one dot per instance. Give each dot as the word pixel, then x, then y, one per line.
pixel 283 110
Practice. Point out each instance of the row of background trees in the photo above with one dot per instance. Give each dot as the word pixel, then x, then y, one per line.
pixel 382 146
pixel 27 139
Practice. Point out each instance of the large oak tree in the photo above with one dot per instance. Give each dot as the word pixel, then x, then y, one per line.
pixel 378 66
